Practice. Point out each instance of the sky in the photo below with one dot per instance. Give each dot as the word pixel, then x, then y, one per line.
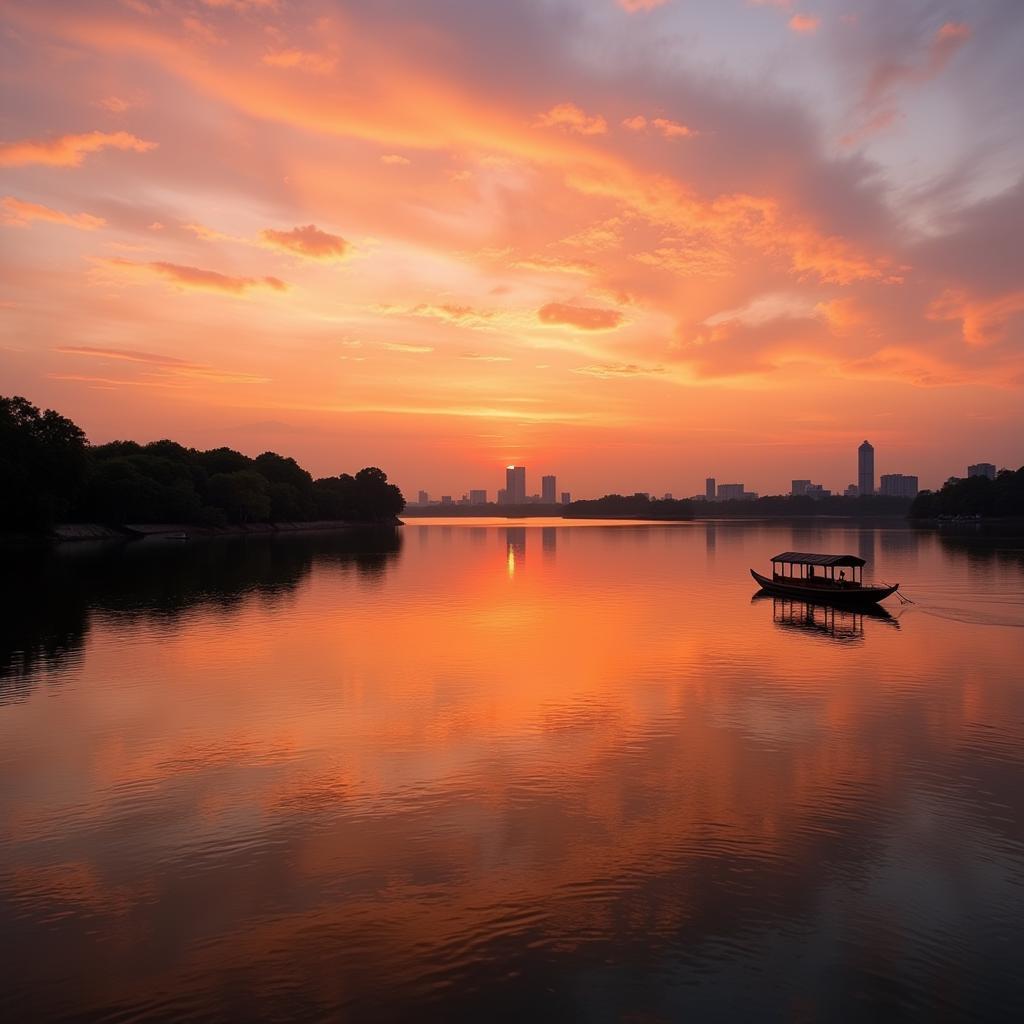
pixel 632 243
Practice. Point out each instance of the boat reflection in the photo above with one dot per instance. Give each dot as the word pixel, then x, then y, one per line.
pixel 836 623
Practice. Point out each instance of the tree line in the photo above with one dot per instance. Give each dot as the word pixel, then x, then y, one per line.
pixel 49 474
pixel 974 496
pixel 642 506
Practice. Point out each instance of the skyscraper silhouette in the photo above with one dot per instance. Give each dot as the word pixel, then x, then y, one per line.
pixel 547 489
pixel 866 469
pixel 515 484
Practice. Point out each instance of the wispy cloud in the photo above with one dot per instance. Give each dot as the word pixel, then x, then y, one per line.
pixel 303 60
pixel 399 346
pixel 308 241
pixel 611 371
pixel 636 6
pixel 160 370
pixel 804 24
pixel 571 118
pixel 587 318
pixel 67 150
pixel 195 277
pixel 20 213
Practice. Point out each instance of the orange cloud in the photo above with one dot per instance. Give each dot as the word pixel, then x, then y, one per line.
pixel 672 129
pixel 162 369
pixel 573 119
pixel 399 346
pixel 308 241
pixel 633 6
pixel 118 104
pixel 983 321
pixel 197 277
pixel 806 24
pixel 395 160
pixel 587 318
pixel 613 371
pixel 944 44
pixel 20 213
pixel 315 63
pixel 67 150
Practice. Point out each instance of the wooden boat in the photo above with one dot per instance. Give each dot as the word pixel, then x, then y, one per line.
pixel 821 579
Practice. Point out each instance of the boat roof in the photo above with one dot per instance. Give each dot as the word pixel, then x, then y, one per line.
pixel 808 558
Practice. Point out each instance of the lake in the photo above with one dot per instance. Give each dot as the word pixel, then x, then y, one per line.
pixel 480 770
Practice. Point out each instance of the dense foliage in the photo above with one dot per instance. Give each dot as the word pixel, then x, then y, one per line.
pixel 977 495
pixel 49 473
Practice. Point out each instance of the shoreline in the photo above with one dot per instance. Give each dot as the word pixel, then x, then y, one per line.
pixel 78 533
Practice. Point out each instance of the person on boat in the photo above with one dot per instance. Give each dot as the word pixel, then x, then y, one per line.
pixel 842 577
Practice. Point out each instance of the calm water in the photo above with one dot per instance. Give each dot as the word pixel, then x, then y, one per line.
pixel 478 772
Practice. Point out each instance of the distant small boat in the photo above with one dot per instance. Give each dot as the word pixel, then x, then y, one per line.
pixel 803 580
pixel 180 535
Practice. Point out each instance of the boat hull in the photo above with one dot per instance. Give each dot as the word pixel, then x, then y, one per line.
pixel 823 594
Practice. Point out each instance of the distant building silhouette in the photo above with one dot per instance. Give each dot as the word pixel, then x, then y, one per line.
pixel 446 499
pixel 732 492
pixel 566 498
pixel 808 489
pixel 515 484
pixel 866 469
pixel 982 469
pixel 503 496
pixel 709 489
pixel 423 498
pixel 851 491
pixel 897 485
pixel 547 490
pixel 478 497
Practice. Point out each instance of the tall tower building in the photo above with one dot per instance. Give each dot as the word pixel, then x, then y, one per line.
pixel 866 469
pixel 547 490
pixel 515 484
pixel 709 488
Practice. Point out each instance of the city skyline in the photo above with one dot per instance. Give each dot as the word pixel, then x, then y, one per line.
pixel 892 483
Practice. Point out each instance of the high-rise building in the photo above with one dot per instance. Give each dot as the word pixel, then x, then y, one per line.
pixel 709 488
pixel 851 491
pixel 866 469
pixel 897 485
pixel 515 484
pixel 566 498
pixel 982 469
pixel 423 498
pixel 547 490
pixel 478 497
pixel 446 499
pixel 799 487
pixel 731 492
pixel 503 496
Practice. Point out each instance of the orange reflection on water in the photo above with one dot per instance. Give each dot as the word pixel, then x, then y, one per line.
pixel 421 760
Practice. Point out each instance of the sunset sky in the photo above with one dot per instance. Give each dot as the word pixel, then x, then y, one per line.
pixel 630 242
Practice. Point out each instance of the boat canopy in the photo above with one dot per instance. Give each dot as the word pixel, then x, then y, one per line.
pixel 806 558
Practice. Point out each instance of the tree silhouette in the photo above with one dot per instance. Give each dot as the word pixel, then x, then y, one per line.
pixel 42 465
pixel 48 473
